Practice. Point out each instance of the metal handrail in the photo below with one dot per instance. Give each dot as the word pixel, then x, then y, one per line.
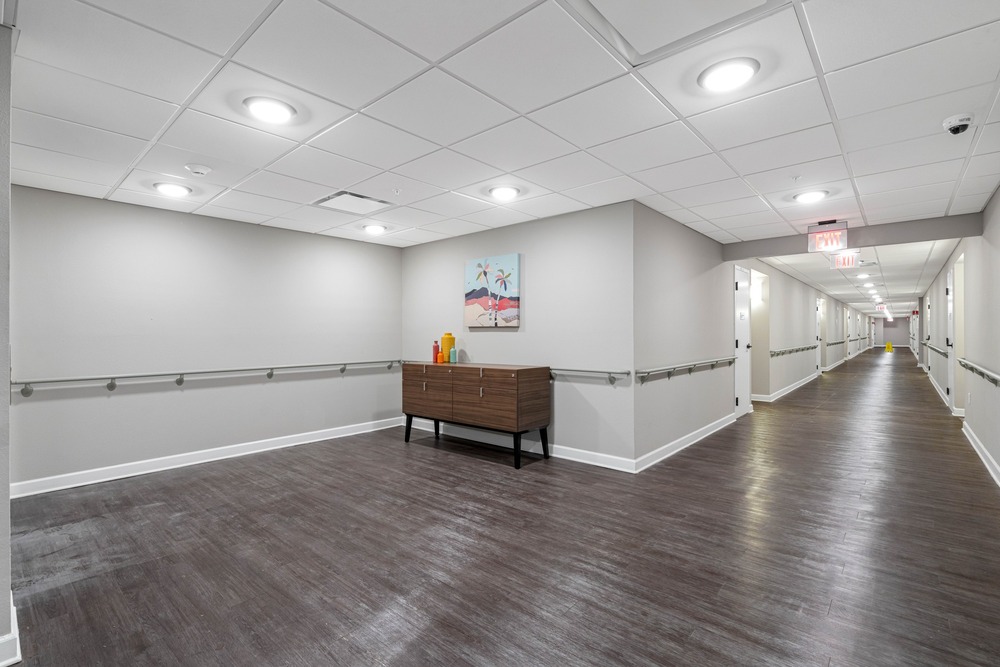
pixel 836 342
pixel 854 340
pixel 689 367
pixel 611 375
pixel 984 373
pixel 792 350
pixel 943 353
pixel 27 386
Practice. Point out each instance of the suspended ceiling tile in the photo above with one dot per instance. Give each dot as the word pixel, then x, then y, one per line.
pixel 293 225
pixel 311 164
pixel 152 201
pixel 527 189
pixel 214 26
pixel 395 188
pixel 652 148
pixel 609 111
pixel 201 133
pixel 742 206
pixel 419 236
pixel 144 182
pixel 917 73
pixel 611 191
pixel 60 165
pixel 61 94
pixel 440 108
pixel 913 120
pixel 912 153
pixel 848 32
pixel 747 219
pixel 279 186
pixel 788 149
pixel 710 193
pixel 46 182
pixel 367 140
pixel 224 98
pixel 233 214
pixel 776 42
pixel 802 175
pixel 452 205
pixel 447 169
pixel 498 216
pixel 515 145
pixel 244 201
pixel 696 171
pixel 979 185
pixel 922 193
pixel 311 46
pixel 540 57
pixel 831 209
pixel 349 233
pixel 909 210
pixel 683 216
pixel 455 227
pixel 659 203
pixel 570 171
pixel 989 139
pixel 768 231
pixel 407 216
pixel 171 161
pixel 51 33
pixel 432 29
pixel 61 136
pixel 786 198
pixel 969 204
pixel 703 227
pixel 320 216
pixel 983 165
pixel 547 205
pixel 927 174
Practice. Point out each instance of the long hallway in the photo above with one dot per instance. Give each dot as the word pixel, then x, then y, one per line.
pixel 848 524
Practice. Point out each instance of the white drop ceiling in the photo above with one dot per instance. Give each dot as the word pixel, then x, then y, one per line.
pixel 578 103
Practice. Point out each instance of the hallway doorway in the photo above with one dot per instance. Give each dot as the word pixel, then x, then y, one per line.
pixel 743 346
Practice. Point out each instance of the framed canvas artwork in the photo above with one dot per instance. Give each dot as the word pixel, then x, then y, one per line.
pixel 492 291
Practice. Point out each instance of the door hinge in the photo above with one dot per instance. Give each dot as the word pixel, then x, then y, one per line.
pixel 947 391
pixel 737 286
pixel 737 343
pixel 737 400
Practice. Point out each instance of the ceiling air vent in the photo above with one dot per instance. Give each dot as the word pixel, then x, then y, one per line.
pixel 353 203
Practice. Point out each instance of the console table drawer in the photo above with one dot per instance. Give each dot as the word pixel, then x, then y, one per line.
pixel 427 398
pixel 485 406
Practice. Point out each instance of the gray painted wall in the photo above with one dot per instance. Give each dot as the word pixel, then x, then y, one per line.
pixel 577 305
pixel 684 311
pixel 896 332
pixel 5 216
pixel 101 287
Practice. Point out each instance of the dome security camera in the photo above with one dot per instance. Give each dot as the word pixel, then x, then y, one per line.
pixel 959 123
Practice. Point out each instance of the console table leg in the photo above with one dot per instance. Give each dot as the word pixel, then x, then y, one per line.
pixel 517 450
pixel 544 432
pixel 409 424
pixel 437 429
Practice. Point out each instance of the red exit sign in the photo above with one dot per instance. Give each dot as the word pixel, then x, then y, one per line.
pixel 830 237
pixel 844 260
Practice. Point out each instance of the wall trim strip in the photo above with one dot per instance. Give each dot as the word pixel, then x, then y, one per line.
pixel 991 465
pixel 787 390
pixel 833 365
pixel 940 391
pixel 683 442
pixel 69 480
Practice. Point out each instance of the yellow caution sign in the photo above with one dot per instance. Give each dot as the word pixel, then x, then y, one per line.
pixel 888 347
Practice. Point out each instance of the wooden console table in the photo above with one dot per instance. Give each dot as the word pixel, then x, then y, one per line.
pixel 509 399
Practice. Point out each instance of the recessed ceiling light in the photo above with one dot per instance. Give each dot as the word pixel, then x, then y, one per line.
pixel 810 197
pixel 504 193
pixel 869 285
pixel 728 75
pixel 172 189
pixel 862 276
pixel 374 230
pixel 878 299
pixel 873 291
pixel 268 110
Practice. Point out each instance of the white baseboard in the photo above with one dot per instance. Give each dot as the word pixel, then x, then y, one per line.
pixel 677 445
pixel 609 461
pixel 83 477
pixel 770 398
pixel 10 644
pixel 940 391
pixel 958 412
pixel 833 365
pixel 984 454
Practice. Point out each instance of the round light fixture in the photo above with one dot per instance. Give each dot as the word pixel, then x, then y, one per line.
pixel 728 75
pixel 878 299
pixel 374 230
pixel 268 110
pixel 869 285
pixel 862 276
pixel 873 291
pixel 172 189
pixel 504 193
pixel 810 197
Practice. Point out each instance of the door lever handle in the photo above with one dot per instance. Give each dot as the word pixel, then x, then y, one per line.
pixel 749 346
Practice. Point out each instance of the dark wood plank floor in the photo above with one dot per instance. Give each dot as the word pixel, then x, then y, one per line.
pixel 849 524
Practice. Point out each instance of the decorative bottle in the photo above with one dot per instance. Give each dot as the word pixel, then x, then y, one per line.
pixel 434 354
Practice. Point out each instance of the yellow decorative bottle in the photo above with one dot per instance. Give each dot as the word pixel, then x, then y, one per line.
pixel 447 342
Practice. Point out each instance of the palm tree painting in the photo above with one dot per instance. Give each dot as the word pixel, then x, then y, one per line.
pixel 492 291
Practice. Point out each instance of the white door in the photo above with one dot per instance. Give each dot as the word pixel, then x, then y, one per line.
pixel 950 340
pixel 742 365
pixel 820 304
